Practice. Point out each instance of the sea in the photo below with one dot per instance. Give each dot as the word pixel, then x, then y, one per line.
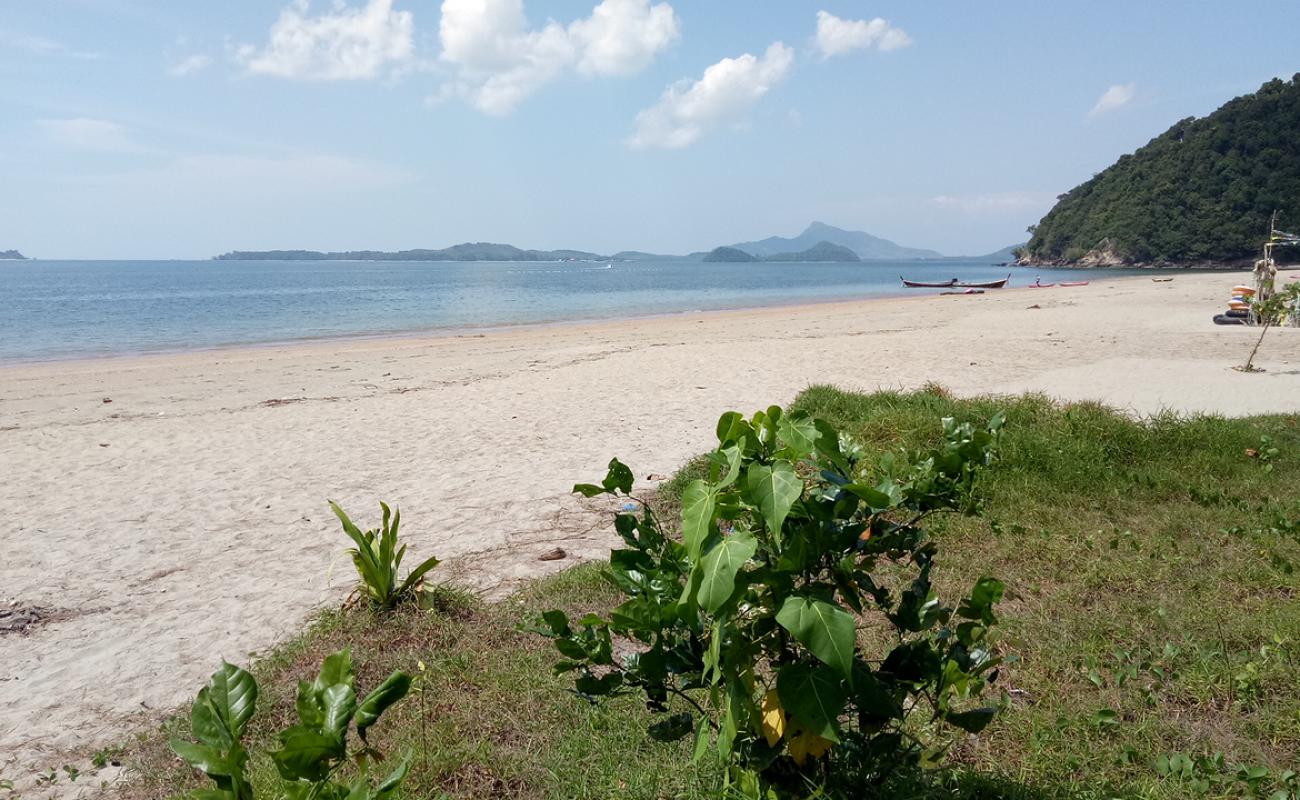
pixel 53 310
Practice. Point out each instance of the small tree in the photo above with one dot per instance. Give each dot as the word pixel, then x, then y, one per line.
pixel 1269 312
pixel 794 628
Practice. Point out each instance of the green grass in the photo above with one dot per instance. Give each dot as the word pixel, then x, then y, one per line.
pixel 1151 611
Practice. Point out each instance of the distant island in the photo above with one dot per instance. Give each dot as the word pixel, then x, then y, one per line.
pixel 1199 194
pixel 12 255
pixel 818 242
pixel 729 255
pixel 864 245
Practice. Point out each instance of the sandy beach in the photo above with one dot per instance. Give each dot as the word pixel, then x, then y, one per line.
pixel 171 510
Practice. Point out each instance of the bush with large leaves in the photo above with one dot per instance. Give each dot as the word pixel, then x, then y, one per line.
pixel 311 752
pixel 792 627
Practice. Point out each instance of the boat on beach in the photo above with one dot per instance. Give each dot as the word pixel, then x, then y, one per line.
pixel 955 284
pixel 986 284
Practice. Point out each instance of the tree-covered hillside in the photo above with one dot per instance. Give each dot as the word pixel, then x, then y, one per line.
pixel 1202 191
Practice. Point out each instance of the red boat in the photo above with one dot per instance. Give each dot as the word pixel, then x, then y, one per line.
pixel 986 285
pixel 921 285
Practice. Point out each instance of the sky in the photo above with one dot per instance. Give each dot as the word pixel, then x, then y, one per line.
pixel 157 129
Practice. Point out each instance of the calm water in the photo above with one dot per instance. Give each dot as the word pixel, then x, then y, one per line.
pixel 62 309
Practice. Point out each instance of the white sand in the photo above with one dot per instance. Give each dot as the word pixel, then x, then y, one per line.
pixel 186 520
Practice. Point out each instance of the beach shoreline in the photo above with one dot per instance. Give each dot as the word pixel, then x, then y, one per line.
pixel 172 507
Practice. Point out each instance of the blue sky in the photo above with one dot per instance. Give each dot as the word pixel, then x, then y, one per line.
pixel 152 129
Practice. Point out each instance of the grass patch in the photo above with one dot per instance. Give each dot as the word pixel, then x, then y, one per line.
pixel 1152 616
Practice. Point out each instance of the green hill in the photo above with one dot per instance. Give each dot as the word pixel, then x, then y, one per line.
pixel 1200 193
pixel 12 255
pixel 729 254
pixel 822 251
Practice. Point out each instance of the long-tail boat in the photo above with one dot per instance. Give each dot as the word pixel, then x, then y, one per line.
pixel 986 284
pixel 923 285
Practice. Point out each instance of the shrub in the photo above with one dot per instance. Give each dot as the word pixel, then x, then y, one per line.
pixel 311 752
pixel 793 628
pixel 377 558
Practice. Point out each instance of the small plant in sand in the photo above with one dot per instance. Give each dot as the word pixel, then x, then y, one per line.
pixel 1269 312
pixel 378 556
pixel 311 753
pixel 793 628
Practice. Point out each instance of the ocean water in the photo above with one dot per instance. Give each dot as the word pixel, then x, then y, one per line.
pixel 71 309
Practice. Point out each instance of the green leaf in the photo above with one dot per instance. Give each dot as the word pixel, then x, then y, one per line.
pixel 588 489
pixel 774 490
pixel 618 478
pixel 557 621
pixel 335 669
pixel 701 739
pixel 972 721
pixel 698 502
pixel 730 457
pixel 875 499
pixel 732 427
pixel 340 702
pixel 814 695
pixel 979 606
pixel 378 701
pixel 394 779
pixel 826 629
pixel 233 694
pixel 670 730
pixel 306 754
pixel 205 758
pixel 798 433
pixel 720 566
pixel 413 578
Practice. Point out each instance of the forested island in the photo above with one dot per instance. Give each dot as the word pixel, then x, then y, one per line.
pixel 1200 194
pixel 12 255
pixel 822 251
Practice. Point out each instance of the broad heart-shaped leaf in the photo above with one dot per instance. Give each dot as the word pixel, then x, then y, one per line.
pixel 814 695
pixel 698 502
pixel 774 490
pixel 720 566
pixel 306 754
pixel 231 699
pixel 826 629
pixel 618 478
pixel 798 433
pixel 378 701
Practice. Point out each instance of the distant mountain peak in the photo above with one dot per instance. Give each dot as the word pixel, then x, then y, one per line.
pixel 866 246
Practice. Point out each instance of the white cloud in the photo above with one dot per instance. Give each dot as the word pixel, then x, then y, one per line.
pixel 836 36
pixel 499 60
pixel 343 44
pixel 189 65
pixel 1115 97
pixel 94 135
pixel 723 95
